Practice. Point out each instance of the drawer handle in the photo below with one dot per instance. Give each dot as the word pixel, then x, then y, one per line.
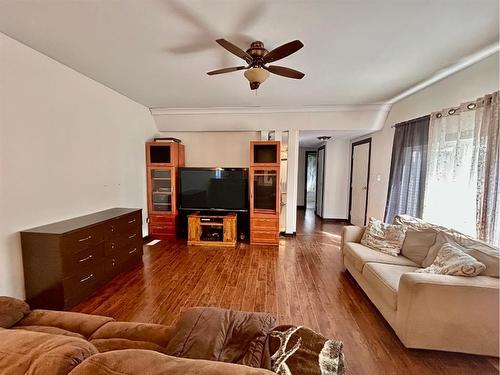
pixel 87 278
pixel 85 259
pixel 84 239
pixel 132 251
pixel 132 236
pixel 131 221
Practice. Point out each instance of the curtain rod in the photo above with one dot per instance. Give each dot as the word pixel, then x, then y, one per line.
pixel 410 121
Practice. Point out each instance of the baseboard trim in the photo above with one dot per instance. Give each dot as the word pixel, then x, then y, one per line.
pixel 288 234
pixel 335 220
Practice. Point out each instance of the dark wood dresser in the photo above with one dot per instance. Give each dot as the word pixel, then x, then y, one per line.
pixel 65 262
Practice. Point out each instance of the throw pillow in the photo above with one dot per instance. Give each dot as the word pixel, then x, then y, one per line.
pixel 301 351
pixel 452 261
pixel 387 238
pixel 481 251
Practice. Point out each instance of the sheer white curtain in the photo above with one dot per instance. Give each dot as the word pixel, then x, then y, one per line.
pixel 450 190
pixel 463 162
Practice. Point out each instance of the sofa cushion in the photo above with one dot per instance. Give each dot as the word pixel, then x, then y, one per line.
pixel 133 362
pixel 146 332
pixel 26 352
pixel 387 238
pixel 384 279
pixel 82 324
pixel 222 335
pixel 417 244
pixel 483 252
pixel 50 330
pixel 361 254
pixel 107 345
pixel 12 310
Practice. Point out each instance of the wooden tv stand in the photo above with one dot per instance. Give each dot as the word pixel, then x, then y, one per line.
pixel 212 230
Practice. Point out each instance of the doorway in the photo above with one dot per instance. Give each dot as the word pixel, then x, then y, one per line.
pixel 360 177
pixel 320 172
pixel 310 183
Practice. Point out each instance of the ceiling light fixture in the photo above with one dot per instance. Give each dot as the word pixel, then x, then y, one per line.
pixel 256 76
pixel 324 137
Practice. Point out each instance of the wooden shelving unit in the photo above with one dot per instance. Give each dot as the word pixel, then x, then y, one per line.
pixel 204 230
pixel 264 179
pixel 163 160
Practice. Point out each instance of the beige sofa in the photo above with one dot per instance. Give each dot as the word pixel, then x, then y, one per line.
pixel 427 311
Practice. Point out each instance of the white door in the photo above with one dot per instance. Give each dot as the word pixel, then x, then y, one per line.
pixel 319 181
pixel 359 185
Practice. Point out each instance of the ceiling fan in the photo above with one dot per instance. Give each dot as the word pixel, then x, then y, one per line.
pixel 257 57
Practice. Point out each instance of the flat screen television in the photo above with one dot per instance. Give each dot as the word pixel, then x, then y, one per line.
pixel 223 189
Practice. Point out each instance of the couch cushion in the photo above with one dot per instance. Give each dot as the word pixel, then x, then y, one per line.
pixel 384 278
pixel 82 324
pixel 483 252
pixel 146 332
pixel 106 345
pixel 26 352
pixel 133 362
pixel 417 244
pixel 222 335
pixel 50 330
pixel 361 254
pixel 12 310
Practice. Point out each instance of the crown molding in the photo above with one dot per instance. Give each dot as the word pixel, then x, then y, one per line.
pixel 257 110
pixel 448 71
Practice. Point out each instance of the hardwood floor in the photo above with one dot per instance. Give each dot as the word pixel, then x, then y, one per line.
pixel 302 282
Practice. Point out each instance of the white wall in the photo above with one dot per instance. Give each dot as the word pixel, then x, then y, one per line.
pixel 301 178
pixel 216 149
pixel 475 81
pixel 336 180
pixel 68 146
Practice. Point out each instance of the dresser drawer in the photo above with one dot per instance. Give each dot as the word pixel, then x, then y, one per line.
pixel 264 237
pixel 124 239
pixel 83 239
pixel 132 251
pixel 265 223
pixel 74 262
pixel 117 227
pixel 82 283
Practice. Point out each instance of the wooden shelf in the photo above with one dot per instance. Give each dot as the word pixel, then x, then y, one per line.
pixel 212 224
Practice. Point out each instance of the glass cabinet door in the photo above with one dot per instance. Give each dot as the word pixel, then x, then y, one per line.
pixel 161 189
pixel 264 189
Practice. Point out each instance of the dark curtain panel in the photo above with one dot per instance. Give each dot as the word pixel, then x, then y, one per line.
pixel 408 169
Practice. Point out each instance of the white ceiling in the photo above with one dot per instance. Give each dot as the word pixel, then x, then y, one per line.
pixel 158 51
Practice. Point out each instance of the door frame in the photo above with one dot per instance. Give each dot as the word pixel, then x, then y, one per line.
pixel 305 176
pixel 358 143
pixel 323 185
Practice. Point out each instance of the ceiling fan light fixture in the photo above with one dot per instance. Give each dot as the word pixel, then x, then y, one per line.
pixel 256 76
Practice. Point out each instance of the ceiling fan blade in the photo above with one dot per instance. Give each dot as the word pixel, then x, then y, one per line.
pixel 285 72
pixel 283 51
pixel 235 50
pixel 226 70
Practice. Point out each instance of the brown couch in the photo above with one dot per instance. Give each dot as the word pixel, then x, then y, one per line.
pixel 203 341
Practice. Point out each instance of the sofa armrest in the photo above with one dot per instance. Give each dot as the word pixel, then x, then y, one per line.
pixel 451 313
pixel 352 233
